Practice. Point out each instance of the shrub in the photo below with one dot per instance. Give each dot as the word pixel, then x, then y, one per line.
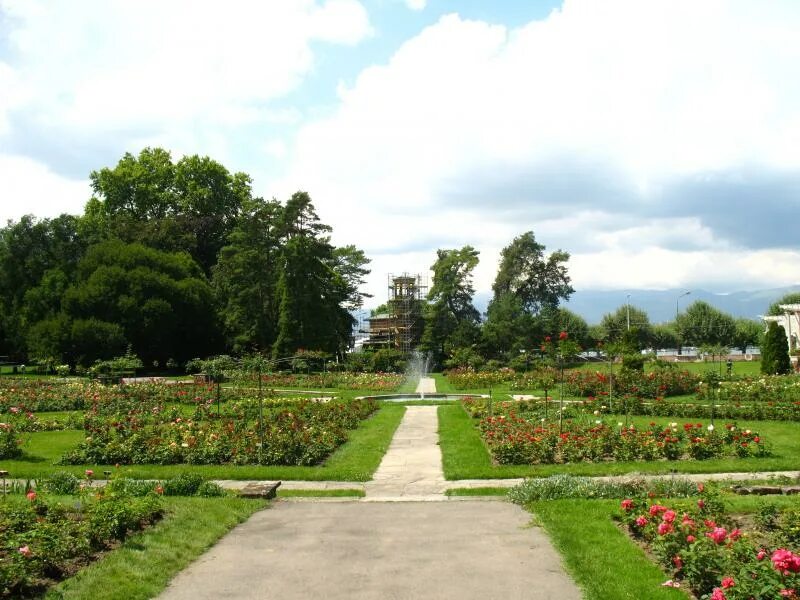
pixel 9 442
pixel 561 486
pixel 60 482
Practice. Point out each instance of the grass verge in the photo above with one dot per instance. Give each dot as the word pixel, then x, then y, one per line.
pixel 597 555
pixel 464 455
pixel 356 460
pixel 146 562
pixel 482 491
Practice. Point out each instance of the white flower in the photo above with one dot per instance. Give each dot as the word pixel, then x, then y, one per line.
pixel 597 412
pixel 619 424
pixel 747 431
pixel 673 425
pixel 711 428
pixel 598 421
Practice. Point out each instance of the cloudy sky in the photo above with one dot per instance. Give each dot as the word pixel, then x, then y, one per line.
pixel 656 141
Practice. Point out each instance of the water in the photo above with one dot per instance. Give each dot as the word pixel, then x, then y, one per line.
pixel 417 367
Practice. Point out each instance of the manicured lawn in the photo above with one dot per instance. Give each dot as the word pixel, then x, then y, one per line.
pixel 598 555
pixel 464 455
pixel 146 562
pixel 356 460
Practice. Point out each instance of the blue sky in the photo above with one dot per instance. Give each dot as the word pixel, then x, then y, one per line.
pixel 658 141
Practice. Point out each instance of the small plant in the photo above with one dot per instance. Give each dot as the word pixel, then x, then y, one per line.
pixel 60 482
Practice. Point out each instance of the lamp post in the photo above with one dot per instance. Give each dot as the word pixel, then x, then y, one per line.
pixel 628 311
pixel 677 300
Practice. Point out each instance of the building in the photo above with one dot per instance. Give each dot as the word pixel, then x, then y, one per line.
pixel 401 326
pixel 790 321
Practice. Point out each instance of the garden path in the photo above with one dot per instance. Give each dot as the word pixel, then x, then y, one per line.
pixel 381 550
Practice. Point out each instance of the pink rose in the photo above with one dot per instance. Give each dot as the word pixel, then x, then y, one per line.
pixel 717 594
pixel 669 516
pixel 641 521
pixel 627 504
pixel 718 534
pixel 31 495
pixel 728 582
pixel 24 550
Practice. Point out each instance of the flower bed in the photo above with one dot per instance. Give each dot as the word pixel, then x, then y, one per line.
pixel 516 440
pixel 9 441
pixel 303 434
pixel 701 547
pixel 44 541
pixel 658 383
pixel 382 382
pixel 470 379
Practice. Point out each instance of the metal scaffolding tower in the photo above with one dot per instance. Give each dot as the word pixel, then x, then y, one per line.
pixel 406 295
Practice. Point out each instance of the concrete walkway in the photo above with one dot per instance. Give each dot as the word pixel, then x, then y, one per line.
pixel 381 551
pixel 411 469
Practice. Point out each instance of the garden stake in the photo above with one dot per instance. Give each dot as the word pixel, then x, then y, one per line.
pixel 260 418
pixel 561 396
pixel 490 402
pixel 4 474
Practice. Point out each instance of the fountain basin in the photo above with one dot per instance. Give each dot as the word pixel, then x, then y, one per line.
pixel 419 397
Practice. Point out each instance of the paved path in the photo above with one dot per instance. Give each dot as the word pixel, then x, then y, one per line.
pixel 381 551
pixel 412 467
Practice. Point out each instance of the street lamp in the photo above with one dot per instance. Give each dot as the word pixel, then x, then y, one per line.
pixel 686 293
pixel 628 311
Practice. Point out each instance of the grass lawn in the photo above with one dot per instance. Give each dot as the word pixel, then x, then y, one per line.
pixel 356 460
pixel 146 562
pixel 464 455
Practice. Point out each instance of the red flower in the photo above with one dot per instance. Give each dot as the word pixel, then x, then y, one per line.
pixel 547 338
pixel 664 528
pixel 24 550
pixel 785 562
pixel 718 534
pixel 627 504
pixel 676 560
pixel 31 495
pixel 669 516
pixel 717 594
pixel 563 335
pixel 728 582
pixel 641 521
pixel 690 539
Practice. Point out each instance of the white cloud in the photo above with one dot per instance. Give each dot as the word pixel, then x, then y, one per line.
pixel 30 187
pixel 656 91
pixel 416 4
pixel 149 66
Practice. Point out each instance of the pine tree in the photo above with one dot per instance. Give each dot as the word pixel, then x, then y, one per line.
pixel 775 351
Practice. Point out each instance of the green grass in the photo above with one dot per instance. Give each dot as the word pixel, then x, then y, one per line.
pixel 321 493
pixel 597 555
pixel 356 460
pixel 482 491
pixel 464 455
pixel 146 562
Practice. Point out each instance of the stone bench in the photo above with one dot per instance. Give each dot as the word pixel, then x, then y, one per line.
pixel 264 489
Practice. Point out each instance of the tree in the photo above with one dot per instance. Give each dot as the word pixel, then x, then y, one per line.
pixel 525 273
pixel 775 351
pixel 245 279
pixel 161 302
pixel 703 325
pixel 746 333
pixel 562 319
pixel 627 318
pixel 663 336
pixel 191 205
pixel 451 320
pixel 790 298
pixel 528 284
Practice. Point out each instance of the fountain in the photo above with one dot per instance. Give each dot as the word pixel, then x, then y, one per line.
pixel 416 370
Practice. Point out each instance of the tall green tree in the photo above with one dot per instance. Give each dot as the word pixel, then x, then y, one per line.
pixel 30 250
pixel 628 318
pixel 451 319
pixel 158 302
pixel 528 284
pixel 245 278
pixel 775 351
pixel 703 325
pixel 190 206
pixel 747 332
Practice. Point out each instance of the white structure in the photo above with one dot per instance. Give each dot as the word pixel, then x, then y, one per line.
pixel 790 321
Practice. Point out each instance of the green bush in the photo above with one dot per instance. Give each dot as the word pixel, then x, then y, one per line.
pixel 557 487
pixel 62 483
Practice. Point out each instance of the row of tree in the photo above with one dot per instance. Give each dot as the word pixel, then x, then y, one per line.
pixel 525 309
pixel 175 260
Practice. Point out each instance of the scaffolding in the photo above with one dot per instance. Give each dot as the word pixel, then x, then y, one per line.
pixel 406 297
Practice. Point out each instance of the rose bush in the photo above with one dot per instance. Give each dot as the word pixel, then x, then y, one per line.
pixel 702 547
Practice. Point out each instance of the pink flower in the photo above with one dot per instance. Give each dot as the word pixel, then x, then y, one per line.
pixel 664 528
pixel 641 521
pixel 89 473
pixel 669 516
pixel 563 335
pixel 671 583
pixel 761 555
pixel 718 534
pixel 687 520
pixel 627 504
pixel 31 495
pixel 788 593
pixel 656 509
pixel 736 534
pixel 701 504
pixel 690 538
pixel 678 562
pixel 24 550
pixel 785 562
pixel 728 582
pixel 717 594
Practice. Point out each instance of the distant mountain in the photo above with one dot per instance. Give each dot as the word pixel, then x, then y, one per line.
pixel 660 304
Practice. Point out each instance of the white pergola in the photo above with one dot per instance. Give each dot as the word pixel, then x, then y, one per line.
pixel 790 321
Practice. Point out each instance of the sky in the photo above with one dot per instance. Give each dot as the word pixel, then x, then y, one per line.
pixel 658 142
